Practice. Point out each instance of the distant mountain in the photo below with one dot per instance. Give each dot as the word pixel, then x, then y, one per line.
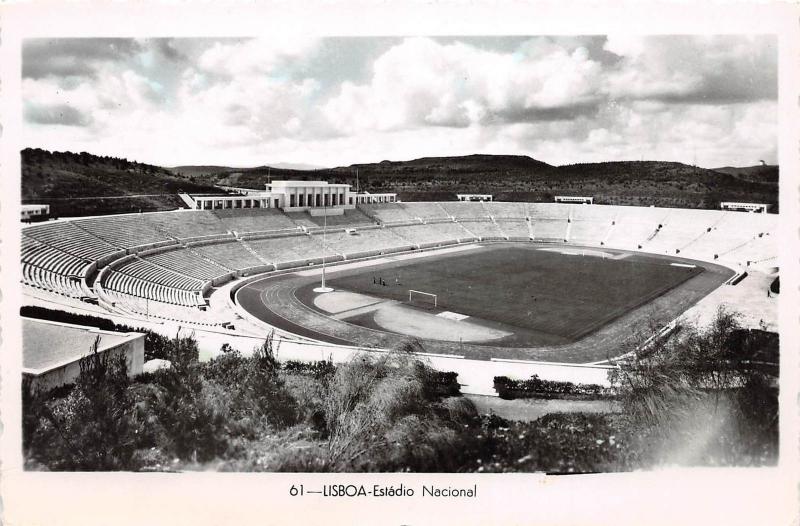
pixel 193 171
pixel 759 173
pixel 462 164
pixel 522 178
pixel 296 166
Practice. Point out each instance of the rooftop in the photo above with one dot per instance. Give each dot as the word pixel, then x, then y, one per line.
pixel 48 344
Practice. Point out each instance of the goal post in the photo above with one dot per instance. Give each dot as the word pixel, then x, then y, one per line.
pixel 424 299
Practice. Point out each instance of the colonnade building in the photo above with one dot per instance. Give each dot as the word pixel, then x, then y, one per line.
pixel 294 196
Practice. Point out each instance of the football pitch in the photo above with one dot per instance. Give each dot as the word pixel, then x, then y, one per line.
pixel 559 295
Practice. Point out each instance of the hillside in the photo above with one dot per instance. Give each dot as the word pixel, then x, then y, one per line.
pixel 195 170
pixel 200 170
pixel 66 180
pixel 522 178
pixel 767 173
pixel 83 184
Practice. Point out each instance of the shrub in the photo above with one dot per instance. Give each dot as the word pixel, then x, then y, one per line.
pixel 711 386
pixel 320 369
pixel 95 426
pixel 385 413
pixel 535 387
pixel 555 443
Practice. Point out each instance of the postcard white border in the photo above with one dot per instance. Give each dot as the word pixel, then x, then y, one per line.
pixel 727 496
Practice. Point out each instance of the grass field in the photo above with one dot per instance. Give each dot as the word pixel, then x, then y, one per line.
pixel 567 296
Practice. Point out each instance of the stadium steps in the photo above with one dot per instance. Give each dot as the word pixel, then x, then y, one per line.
pixel 29 241
pixel 208 259
pixel 317 239
pixel 652 236
pixel 446 213
pixel 660 225
pixel 254 253
pixel 77 225
pixel 470 232
pixel 704 233
pixel 611 229
pixel 469 238
pixel 406 239
pixel 166 269
pixel 186 198
pixel 161 229
pixel 497 226
pixel 739 246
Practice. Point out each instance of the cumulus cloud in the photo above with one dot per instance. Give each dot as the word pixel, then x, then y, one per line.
pixel 253 56
pixel 62 114
pixel 702 70
pixel 66 57
pixel 423 82
pixel 251 101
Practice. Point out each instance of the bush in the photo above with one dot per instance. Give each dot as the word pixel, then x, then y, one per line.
pixel 535 387
pixel 319 370
pixel 94 427
pixel 554 443
pixel 711 386
pixel 385 413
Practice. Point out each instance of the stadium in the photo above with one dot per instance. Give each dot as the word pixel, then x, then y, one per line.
pixel 487 287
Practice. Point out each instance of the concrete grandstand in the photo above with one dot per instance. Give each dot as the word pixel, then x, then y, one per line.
pixel 180 266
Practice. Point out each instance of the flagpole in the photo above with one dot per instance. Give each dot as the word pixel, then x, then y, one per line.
pixel 324 238
pixel 323 287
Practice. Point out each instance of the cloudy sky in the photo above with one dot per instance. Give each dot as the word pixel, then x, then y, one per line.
pixel 337 101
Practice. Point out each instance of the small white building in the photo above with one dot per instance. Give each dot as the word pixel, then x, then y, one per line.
pixel 296 196
pixel 574 199
pixel 52 351
pixel 34 212
pixel 474 197
pixel 759 208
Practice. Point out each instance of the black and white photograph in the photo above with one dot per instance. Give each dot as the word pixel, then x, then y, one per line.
pixel 550 254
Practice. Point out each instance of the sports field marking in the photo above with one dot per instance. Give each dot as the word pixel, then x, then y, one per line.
pixel 342 301
pixel 362 310
pixel 585 252
pixel 413 322
pixel 452 315
pixel 683 265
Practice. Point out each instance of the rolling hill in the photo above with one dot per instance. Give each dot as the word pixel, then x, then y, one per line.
pixel 767 173
pixel 75 184
pixel 522 178
pixel 51 177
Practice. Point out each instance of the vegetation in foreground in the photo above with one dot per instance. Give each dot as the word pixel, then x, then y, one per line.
pixel 700 397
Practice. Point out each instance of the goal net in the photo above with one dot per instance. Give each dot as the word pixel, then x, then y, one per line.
pixel 423 299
